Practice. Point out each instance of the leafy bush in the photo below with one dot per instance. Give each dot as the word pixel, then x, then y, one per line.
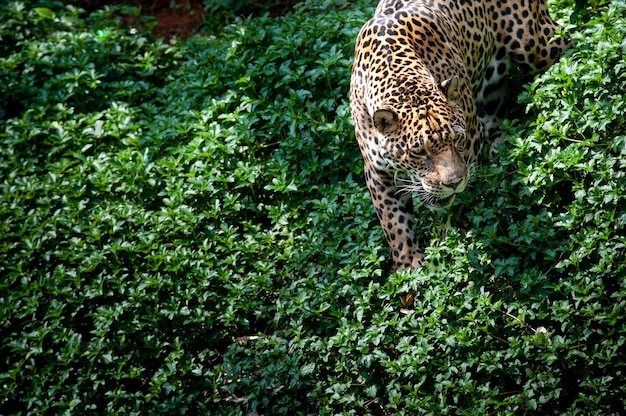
pixel 185 229
pixel 220 13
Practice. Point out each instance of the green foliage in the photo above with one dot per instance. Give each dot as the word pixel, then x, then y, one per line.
pixel 185 230
pixel 220 13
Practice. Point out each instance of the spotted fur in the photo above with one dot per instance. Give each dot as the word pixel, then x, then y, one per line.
pixel 428 83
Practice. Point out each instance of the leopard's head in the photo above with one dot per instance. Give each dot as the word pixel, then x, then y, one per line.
pixel 422 142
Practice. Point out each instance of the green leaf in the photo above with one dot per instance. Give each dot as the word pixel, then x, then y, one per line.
pixel 44 12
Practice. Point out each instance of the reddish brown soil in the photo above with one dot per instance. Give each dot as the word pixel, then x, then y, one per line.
pixel 176 18
pixel 180 18
pixel 181 22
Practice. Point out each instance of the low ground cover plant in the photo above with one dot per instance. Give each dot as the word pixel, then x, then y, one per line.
pixel 184 229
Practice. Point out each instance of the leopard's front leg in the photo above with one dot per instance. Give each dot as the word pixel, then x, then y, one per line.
pixel 395 213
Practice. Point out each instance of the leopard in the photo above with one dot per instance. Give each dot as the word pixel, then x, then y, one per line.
pixel 428 88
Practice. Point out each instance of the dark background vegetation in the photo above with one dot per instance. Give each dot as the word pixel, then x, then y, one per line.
pixel 184 227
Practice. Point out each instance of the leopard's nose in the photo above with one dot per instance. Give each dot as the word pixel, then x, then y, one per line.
pixel 452 171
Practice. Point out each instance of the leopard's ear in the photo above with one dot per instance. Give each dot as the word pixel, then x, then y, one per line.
pixel 450 88
pixel 385 121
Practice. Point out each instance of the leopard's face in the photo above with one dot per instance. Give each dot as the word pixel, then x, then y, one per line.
pixel 422 143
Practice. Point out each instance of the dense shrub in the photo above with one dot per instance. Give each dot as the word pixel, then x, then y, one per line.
pixel 185 229
pixel 220 13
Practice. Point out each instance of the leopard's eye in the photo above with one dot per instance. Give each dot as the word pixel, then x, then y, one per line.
pixel 458 136
pixel 418 153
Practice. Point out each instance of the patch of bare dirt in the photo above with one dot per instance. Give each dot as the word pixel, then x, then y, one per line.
pixel 175 18
pixel 183 18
